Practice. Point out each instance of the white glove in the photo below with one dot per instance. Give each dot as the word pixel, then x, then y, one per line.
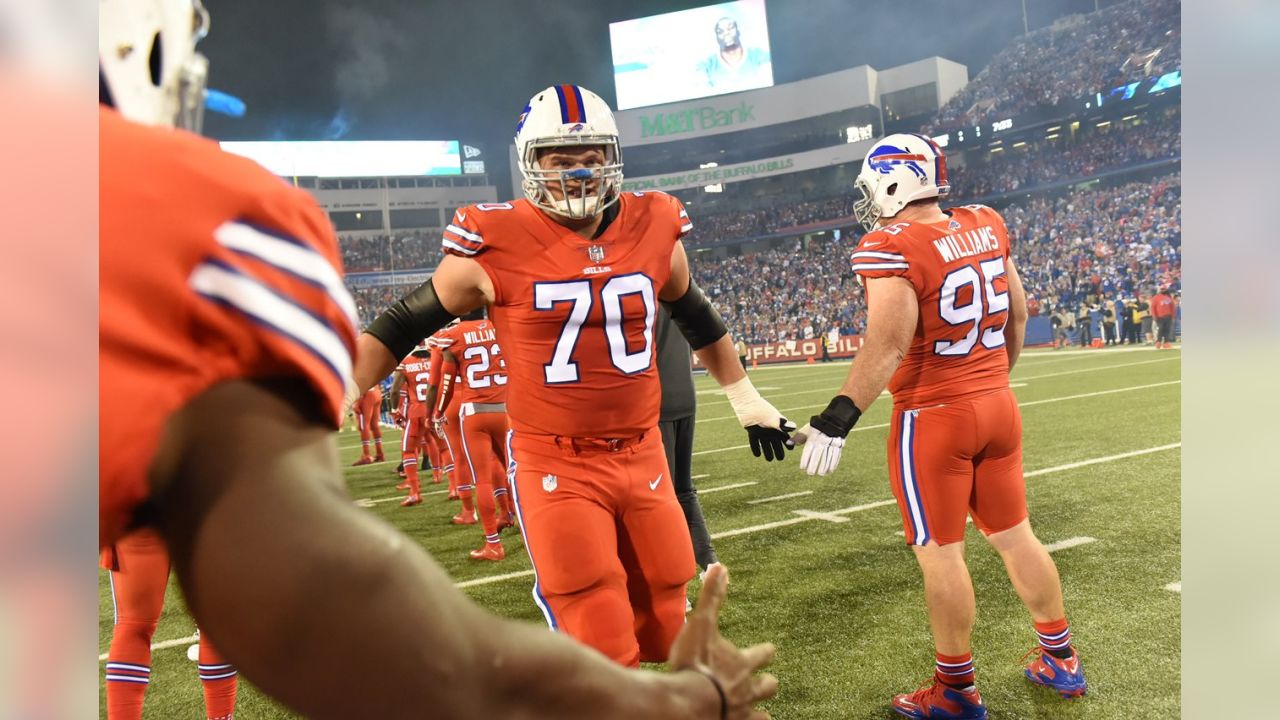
pixel 767 429
pixel 821 452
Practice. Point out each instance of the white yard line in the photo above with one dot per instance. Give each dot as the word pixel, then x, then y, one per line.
pixel 1174 587
pixel 718 488
pixel 1029 403
pixel 775 498
pixel 1078 371
pixel 1069 543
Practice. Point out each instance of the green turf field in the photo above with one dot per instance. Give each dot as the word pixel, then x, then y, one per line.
pixel 839 593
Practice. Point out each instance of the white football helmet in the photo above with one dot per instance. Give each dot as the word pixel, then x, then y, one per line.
pixel 147 60
pixel 565 115
pixel 899 169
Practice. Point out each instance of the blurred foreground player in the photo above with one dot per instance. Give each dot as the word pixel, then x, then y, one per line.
pixel 225 336
pixel 946 318
pixel 368 410
pixel 572 275
pixel 139 567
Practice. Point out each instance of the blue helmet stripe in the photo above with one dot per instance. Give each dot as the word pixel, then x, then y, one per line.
pixel 564 106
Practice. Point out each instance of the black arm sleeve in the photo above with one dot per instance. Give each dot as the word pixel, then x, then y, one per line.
pixel 698 321
pixel 414 317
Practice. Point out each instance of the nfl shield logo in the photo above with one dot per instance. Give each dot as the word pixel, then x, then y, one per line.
pixel 596 253
pixel 953 225
pixel 549 482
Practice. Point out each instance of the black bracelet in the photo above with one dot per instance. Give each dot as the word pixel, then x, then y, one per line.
pixel 724 700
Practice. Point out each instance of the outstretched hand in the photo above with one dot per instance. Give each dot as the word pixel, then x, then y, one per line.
pixel 701 648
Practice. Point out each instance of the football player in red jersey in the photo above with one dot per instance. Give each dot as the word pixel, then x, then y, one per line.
pixel 946 317
pixel 368 410
pixel 443 409
pixel 572 275
pixel 225 337
pixel 475 362
pixel 414 374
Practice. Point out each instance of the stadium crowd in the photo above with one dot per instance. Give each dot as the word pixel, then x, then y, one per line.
pixel 1075 57
pixel 411 249
pixel 1037 164
pixel 1047 161
pixel 1085 248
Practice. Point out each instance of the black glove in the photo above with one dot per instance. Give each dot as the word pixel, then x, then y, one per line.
pixel 773 442
pixel 838 419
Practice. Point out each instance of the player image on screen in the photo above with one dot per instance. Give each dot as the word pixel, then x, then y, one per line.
pixel 704 51
pixel 733 66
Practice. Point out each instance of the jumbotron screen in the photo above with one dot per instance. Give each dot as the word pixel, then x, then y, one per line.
pixel 710 50
pixel 353 158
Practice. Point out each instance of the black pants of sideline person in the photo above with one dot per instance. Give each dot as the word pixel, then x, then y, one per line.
pixel 677 437
pixel 1164 327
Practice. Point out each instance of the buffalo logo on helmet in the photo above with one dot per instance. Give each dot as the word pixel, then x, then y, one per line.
pixel 884 158
pixel 524 114
pixel 576 127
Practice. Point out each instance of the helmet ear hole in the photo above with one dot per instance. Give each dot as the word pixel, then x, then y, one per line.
pixel 156 60
pixel 893 188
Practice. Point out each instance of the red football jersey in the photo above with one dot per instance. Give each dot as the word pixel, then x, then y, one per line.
pixel 576 316
pixel 211 269
pixel 417 379
pixel 958 269
pixel 481 365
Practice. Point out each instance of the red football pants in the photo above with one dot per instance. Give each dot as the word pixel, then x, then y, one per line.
pixel 139 567
pixel 608 541
pixel 484 449
pixel 948 462
pixel 368 411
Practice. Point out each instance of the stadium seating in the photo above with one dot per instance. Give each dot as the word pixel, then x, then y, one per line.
pixel 1080 247
pixel 1073 58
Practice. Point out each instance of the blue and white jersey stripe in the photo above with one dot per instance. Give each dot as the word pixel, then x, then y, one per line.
pixel 871 267
pixel 228 286
pixel 290 256
pixel 538 598
pixel 876 254
pixel 910 488
pixel 455 246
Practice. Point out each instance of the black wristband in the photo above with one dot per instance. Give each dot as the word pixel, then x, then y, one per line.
pixel 413 317
pixel 838 419
pixel 697 319
pixel 724 699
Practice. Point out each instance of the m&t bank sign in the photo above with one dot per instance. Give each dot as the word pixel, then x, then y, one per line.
pixel 695 120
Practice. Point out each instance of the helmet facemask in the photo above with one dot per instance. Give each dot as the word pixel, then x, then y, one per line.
pixel 578 198
pixel 865 209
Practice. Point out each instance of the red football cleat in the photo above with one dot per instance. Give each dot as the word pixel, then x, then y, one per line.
pixel 492 552
pixel 411 501
pixel 464 518
pixel 453 494
pixel 402 486
pixel 379 458
pixel 507 522
pixel 1063 676
pixel 365 460
pixel 939 700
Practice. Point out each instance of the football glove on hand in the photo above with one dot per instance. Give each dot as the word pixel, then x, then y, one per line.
pixel 768 431
pixel 823 438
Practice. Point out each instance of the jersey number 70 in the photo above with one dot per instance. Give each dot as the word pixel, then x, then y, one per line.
pixel 577 293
